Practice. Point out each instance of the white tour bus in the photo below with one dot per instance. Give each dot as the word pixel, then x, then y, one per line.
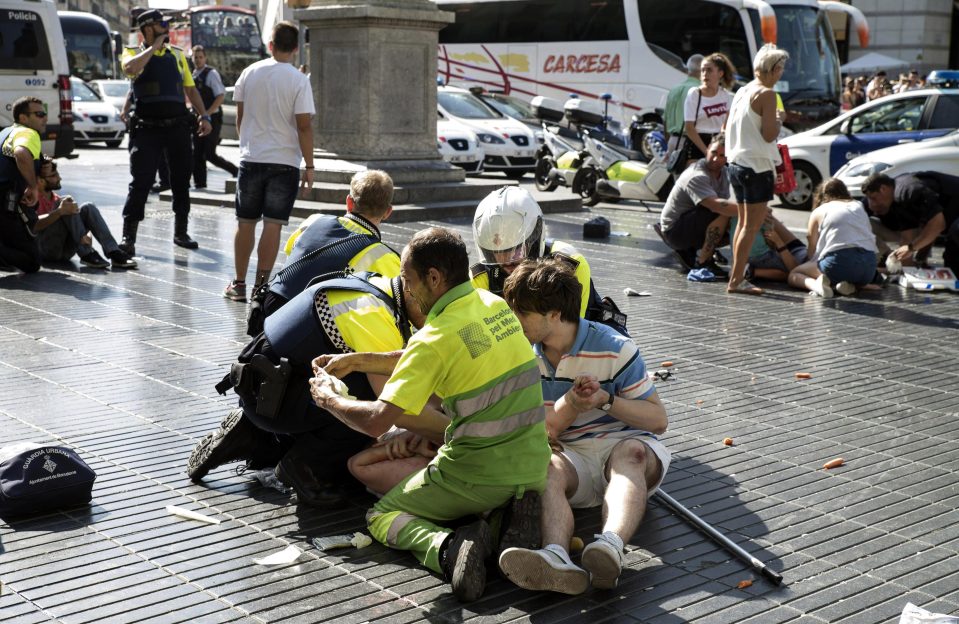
pixel 636 49
pixel 33 61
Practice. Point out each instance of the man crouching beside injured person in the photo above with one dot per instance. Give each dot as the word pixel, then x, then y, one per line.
pixel 472 354
pixel 602 414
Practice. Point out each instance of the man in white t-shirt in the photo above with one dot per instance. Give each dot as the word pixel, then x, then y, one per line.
pixel 274 111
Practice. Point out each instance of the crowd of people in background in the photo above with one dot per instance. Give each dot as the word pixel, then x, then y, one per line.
pixel 861 89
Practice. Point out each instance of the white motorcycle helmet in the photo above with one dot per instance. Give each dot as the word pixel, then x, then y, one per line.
pixel 508 227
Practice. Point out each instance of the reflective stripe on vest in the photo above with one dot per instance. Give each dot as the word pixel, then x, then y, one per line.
pixel 359 303
pixel 288 284
pixel 295 331
pixel 467 407
pixel 493 428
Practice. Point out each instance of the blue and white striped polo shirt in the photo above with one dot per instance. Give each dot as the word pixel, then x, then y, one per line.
pixel 615 361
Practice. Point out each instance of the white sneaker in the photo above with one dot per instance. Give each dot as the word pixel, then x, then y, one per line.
pixel 846 288
pixel 823 287
pixel 542 570
pixel 604 561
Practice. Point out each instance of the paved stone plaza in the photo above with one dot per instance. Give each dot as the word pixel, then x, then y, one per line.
pixel 121 366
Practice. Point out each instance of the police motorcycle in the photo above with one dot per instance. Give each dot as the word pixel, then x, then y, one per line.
pixel 648 137
pixel 612 172
pixel 563 150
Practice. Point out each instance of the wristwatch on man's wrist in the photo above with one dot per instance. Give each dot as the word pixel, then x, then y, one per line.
pixel 608 405
pixel 206 118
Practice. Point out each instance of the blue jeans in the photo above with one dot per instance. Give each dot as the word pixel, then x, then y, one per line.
pixel 750 187
pixel 266 191
pixel 61 240
pixel 852 264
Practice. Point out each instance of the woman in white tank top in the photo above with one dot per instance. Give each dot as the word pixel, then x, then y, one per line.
pixel 751 130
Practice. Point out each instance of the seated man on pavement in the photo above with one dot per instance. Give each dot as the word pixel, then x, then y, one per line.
pixel 507 229
pixel 472 354
pixel 696 214
pixel 774 253
pixel 324 243
pixel 277 423
pixel 914 209
pixel 602 416
pixel 64 229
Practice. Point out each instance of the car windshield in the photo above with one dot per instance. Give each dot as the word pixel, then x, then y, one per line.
pixel 115 89
pixel 465 105
pixel 82 92
pixel 510 106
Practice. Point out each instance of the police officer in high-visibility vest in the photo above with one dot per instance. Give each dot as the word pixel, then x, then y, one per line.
pixel 507 229
pixel 277 421
pixel 160 122
pixel 471 353
pixel 326 243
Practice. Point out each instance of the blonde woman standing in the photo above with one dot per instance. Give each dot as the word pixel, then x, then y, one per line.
pixel 751 130
pixel 706 106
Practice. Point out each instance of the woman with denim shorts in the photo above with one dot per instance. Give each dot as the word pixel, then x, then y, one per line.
pixel 751 130
pixel 840 232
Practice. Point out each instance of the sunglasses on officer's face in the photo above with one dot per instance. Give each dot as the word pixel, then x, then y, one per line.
pixel 41 114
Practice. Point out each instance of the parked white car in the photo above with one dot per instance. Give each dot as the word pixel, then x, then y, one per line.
pixel 93 118
pixel 940 155
pixel 509 145
pixel 113 91
pixel 459 146
pixel 888 121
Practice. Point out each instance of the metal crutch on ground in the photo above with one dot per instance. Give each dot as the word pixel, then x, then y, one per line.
pixel 721 539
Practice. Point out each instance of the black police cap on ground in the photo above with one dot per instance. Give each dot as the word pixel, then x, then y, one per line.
pixel 149 17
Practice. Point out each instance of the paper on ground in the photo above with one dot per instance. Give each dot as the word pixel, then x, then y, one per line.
pixel 287 555
pixel 190 515
pixel 332 542
pixel 911 614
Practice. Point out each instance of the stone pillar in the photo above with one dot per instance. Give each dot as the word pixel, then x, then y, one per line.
pixel 373 69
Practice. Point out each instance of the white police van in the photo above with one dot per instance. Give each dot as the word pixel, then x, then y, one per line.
pixel 33 61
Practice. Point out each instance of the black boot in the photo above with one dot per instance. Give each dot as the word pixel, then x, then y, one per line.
pixel 128 243
pixel 180 236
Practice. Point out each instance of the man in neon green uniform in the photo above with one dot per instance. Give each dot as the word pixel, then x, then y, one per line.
pixel 471 353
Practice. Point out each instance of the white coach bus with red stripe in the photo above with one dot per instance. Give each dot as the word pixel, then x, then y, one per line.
pixel 636 49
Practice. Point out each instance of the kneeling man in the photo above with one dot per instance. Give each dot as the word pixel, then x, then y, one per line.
pixel 602 414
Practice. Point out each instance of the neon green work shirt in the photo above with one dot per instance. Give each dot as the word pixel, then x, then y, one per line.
pixel 472 353
pixel 22 136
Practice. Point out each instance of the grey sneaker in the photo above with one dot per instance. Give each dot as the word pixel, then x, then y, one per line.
pixel 604 562
pixel 235 291
pixel 95 260
pixel 542 570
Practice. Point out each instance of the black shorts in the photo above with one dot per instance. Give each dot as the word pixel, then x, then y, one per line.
pixel 689 230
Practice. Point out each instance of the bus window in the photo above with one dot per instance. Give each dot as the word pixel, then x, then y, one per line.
pixel 23 42
pixel 89 45
pixel 536 21
pixel 813 67
pixel 231 40
pixel 687 27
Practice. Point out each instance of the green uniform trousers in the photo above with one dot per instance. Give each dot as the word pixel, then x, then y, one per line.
pixel 409 517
